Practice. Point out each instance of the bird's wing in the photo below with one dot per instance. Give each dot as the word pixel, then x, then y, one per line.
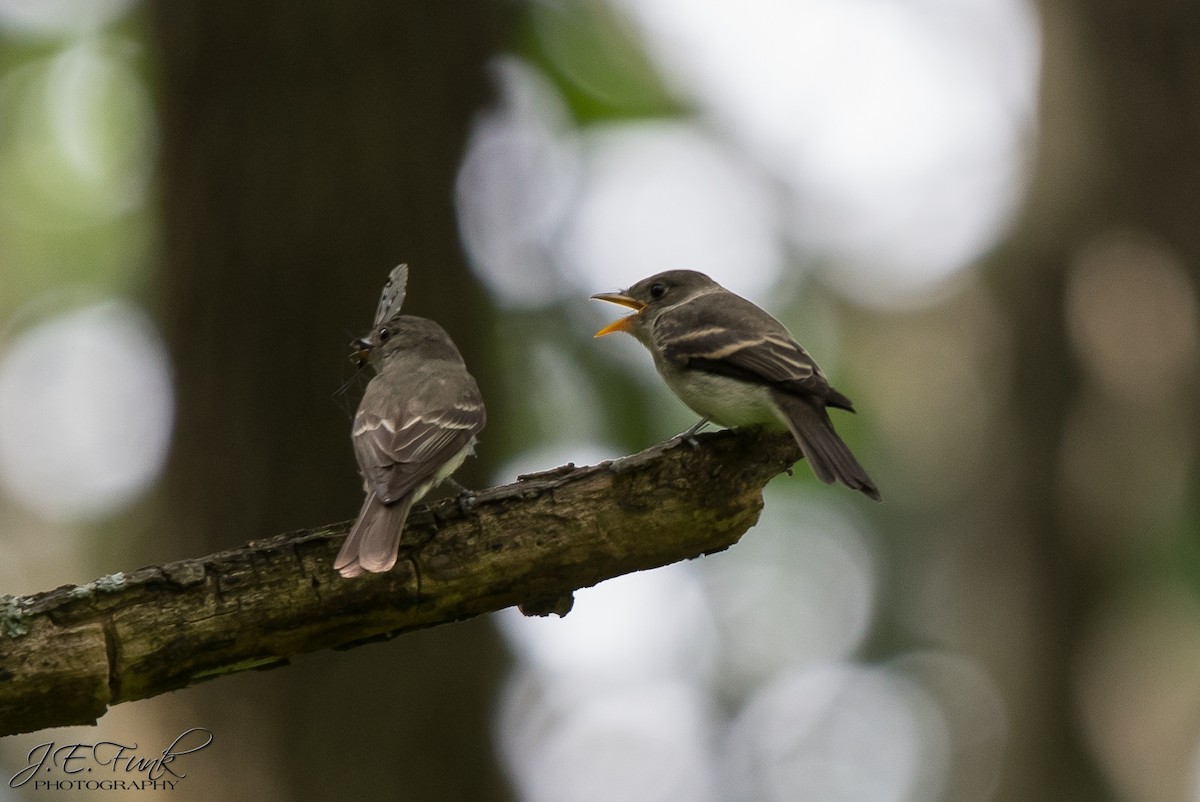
pixel 399 444
pixel 741 341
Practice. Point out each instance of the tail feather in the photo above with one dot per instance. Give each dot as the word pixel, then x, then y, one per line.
pixel 374 541
pixel 830 459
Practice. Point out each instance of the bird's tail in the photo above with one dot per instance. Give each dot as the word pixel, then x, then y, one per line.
pixel 829 458
pixel 374 540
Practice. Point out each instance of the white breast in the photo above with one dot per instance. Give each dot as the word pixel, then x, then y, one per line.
pixel 725 401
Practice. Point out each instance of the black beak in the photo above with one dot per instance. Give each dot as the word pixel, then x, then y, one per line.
pixel 360 350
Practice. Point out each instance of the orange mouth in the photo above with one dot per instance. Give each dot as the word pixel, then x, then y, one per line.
pixel 621 324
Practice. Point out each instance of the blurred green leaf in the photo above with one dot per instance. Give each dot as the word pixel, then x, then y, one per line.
pixel 596 61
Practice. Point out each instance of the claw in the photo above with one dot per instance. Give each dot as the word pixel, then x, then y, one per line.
pixel 689 436
pixel 465 498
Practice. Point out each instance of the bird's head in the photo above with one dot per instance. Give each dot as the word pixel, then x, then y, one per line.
pixel 651 295
pixel 399 334
pixel 379 341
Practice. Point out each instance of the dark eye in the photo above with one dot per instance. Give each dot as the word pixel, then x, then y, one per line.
pixel 657 290
pixel 383 335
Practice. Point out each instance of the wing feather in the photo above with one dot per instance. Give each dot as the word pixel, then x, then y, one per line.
pixel 398 445
pixel 741 341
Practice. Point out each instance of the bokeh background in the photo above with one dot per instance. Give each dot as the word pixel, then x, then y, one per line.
pixel 982 217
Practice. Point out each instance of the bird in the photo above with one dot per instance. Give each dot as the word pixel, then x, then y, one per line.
pixel 733 364
pixel 416 424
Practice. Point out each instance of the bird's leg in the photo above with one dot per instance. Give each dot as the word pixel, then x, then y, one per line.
pixel 465 498
pixel 689 436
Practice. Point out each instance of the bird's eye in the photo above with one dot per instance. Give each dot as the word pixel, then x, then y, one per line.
pixel 657 290
pixel 383 335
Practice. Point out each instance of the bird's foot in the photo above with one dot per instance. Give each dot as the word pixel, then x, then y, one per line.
pixel 689 436
pixel 465 498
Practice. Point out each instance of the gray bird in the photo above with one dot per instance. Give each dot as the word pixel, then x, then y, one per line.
pixel 734 364
pixel 416 424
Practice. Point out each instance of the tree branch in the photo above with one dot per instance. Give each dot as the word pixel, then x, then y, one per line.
pixel 67 654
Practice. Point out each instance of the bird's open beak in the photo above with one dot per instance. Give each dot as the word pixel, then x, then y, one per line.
pixel 360 350
pixel 624 323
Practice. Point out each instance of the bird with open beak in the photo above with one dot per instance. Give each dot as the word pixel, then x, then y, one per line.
pixel 735 365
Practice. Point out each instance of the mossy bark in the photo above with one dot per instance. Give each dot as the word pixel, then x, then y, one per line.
pixel 68 654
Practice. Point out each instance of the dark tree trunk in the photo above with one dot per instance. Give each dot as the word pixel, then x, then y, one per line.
pixel 1120 128
pixel 307 148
